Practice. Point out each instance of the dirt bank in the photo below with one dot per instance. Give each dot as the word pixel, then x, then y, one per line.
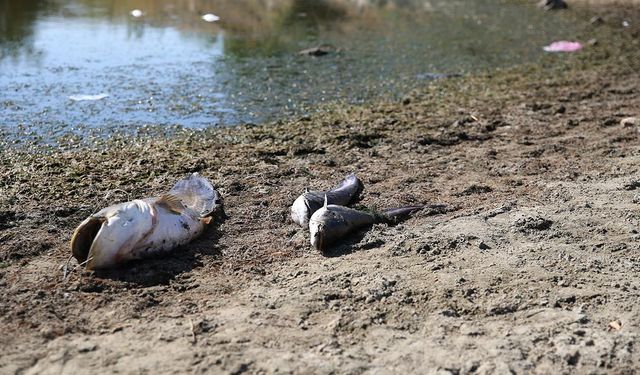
pixel 534 268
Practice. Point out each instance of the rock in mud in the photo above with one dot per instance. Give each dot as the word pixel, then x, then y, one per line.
pixel 631 185
pixel 483 246
pixel 630 122
pixel 87 347
pixel 552 4
pixel 533 223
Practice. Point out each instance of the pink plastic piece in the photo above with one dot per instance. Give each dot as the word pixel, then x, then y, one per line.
pixel 563 46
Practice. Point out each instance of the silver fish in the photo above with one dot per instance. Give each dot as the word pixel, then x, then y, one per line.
pixel 142 227
pixel 332 222
pixel 311 201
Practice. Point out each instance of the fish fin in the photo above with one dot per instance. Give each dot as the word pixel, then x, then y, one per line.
pixel 206 220
pixel 350 185
pixel 171 203
pixel 325 201
pixel 197 193
pixel 306 190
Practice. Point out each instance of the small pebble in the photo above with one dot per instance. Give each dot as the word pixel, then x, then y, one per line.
pixel 86 347
pixel 596 20
pixel 629 122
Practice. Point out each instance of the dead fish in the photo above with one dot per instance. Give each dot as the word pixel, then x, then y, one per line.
pixel 311 201
pixel 321 50
pixel 332 222
pixel 142 227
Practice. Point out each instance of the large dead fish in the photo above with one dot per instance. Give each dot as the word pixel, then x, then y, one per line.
pixel 142 227
pixel 311 201
pixel 332 222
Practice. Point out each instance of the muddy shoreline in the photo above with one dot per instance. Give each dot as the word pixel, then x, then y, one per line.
pixel 533 269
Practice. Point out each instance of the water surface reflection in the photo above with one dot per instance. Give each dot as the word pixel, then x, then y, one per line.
pixel 169 67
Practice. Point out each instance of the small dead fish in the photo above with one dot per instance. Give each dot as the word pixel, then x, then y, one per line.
pixel 142 227
pixel 321 50
pixel 311 201
pixel 332 222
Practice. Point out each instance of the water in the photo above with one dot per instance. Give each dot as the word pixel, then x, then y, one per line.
pixel 170 67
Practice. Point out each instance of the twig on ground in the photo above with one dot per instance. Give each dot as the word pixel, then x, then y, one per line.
pixel 65 268
pixel 193 331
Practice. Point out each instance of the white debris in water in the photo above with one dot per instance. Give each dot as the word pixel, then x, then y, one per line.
pixel 136 13
pixel 79 98
pixel 210 17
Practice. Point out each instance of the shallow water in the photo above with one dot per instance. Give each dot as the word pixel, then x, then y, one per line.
pixel 170 67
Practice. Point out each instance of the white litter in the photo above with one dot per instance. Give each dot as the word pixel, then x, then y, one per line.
pixel 210 17
pixel 80 98
pixel 136 13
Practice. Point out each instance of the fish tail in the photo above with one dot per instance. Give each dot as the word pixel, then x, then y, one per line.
pixel 356 195
pixel 359 186
pixel 352 186
pixel 397 214
pixel 197 193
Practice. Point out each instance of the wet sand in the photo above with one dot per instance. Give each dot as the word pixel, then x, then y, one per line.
pixel 533 268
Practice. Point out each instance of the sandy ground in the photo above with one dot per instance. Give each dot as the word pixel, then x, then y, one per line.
pixel 533 267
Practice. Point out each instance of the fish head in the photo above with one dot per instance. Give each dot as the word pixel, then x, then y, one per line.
pixel 320 228
pixel 300 211
pixel 305 206
pixel 317 233
pixel 332 222
pixel 107 237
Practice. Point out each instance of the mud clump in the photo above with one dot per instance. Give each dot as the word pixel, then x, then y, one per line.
pixel 474 189
pixel 533 223
pixel 9 219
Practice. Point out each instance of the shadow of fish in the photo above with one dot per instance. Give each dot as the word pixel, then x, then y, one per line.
pixel 142 227
pixel 311 201
pixel 331 223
